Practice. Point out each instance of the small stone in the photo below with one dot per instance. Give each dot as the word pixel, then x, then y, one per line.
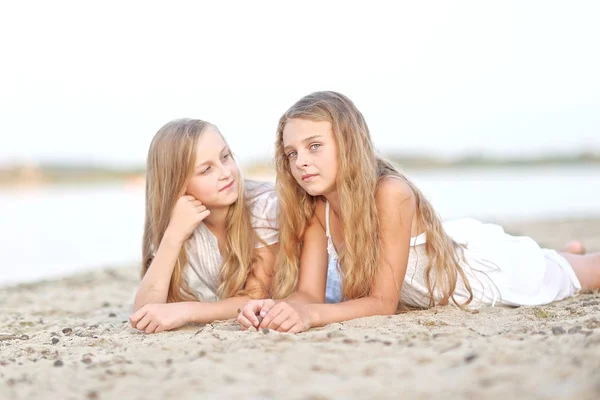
pixel 265 330
pixel 558 330
pixel 112 315
pixel 575 329
pixel 24 337
pixel 470 358
pixel 86 359
pixel 92 395
pixel 591 303
pixel 106 304
pixel 67 331
pixel 202 353
pixel 55 340
pixel 169 361
pixel 58 363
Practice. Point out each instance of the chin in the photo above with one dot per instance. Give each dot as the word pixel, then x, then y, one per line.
pixel 232 198
pixel 313 191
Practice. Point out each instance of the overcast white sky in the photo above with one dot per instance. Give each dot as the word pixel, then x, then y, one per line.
pixel 93 83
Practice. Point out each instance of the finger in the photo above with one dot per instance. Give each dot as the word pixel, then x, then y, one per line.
pixel 143 322
pixel 280 319
pixel 286 325
pixel 136 316
pixel 151 327
pixel 159 328
pixel 268 304
pixel 250 311
pixel 244 321
pixel 203 214
pixel 197 203
pixel 297 328
pixel 271 314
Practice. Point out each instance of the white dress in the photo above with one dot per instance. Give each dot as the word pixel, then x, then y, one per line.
pixel 501 269
pixel 204 258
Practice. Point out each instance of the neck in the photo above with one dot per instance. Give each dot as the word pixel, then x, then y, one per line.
pixel 217 220
pixel 334 201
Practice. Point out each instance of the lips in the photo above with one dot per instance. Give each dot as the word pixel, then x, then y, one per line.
pixel 228 186
pixel 308 177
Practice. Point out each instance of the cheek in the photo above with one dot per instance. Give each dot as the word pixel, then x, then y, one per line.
pixel 200 189
pixel 235 171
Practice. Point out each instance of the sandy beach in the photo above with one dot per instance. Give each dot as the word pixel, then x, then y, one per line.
pixel 70 339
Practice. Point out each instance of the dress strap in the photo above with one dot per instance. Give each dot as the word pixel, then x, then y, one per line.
pixel 327 233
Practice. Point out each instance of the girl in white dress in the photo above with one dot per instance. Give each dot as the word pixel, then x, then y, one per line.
pixel 210 237
pixel 343 205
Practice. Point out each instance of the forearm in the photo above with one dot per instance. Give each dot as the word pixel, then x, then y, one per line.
pixel 154 287
pixel 301 298
pixel 323 314
pixel 205 313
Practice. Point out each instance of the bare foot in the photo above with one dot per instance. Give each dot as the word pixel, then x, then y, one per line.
pixel 575 247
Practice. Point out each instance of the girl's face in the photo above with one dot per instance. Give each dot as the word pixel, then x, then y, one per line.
pixel 311 150
pixel 216 175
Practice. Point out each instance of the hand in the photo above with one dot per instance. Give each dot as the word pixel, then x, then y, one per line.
pixel 250 314
pixel 285 317
pixel 154 318
pixel 186 216
pixel 282 316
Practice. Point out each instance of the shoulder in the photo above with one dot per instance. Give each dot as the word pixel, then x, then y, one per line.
pixel 393 192
pixel 261 198
pixel 263 205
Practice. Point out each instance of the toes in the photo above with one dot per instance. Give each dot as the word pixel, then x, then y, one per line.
pixel 575 247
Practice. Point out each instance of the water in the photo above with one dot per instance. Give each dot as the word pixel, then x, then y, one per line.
pixel 57 230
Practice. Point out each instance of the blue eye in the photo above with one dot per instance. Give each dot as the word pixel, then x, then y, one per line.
pixel 315 146
pixel 226 156
pixel 291 154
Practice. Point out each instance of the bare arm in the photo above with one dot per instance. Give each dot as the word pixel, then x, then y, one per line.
pixel 185 217
pixel 154 287
pixel 258 287
pixel 313 266
pixel 159 317
pixel 312 276
pixel 396 207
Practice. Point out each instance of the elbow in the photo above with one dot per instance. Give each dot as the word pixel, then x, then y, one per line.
pixel 312 298
pixel 386 306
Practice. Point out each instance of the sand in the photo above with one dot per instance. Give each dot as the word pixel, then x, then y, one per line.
pixel 70 339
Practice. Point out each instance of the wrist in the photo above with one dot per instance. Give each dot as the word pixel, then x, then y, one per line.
pixel 313 315
pixel 190 311
pixel 172 238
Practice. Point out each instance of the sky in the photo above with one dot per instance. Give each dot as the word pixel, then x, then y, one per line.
pixel 92 83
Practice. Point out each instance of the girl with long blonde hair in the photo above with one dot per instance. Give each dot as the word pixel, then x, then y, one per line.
pixel 210 238
pixel 344 206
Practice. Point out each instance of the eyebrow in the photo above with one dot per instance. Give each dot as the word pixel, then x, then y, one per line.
pixel 224 149
pixel 308 139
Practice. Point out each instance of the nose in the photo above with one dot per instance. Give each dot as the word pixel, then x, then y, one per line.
pixel 302 160
pixel 225 172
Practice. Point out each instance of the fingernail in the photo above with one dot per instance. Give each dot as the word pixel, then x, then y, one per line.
pixel 263 313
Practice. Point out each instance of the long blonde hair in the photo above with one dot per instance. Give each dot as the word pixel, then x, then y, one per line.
pixel 360 170
pixel 170 164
